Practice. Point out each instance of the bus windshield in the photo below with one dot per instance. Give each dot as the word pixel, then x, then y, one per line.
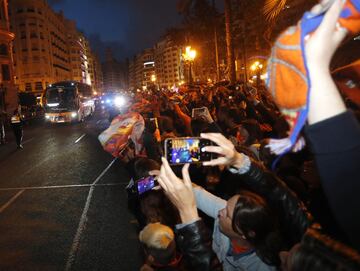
pixel 62 97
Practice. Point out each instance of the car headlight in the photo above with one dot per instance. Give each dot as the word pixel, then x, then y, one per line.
pixel 102 102
pixel 47 117
pixel 73 114
pixel 119 101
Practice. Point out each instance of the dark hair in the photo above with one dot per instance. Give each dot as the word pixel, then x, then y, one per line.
pixel 162 256
pixel 253 128
pixel 156 207
pixel 150 126
pixel 199 126
pixel 142 167
pixel 319 252
pixel 253 218
pixel 167 124
pixel 265 154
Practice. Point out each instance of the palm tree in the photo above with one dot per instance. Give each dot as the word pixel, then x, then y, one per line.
pixel 184 7
pixel 276 11
pixel 272 9
pixel 229 42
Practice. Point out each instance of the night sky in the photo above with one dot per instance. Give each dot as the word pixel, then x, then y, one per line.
pixel 127 26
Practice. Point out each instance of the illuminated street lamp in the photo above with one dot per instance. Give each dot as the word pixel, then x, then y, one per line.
pixel 189 57
pixel 257 68
pixel 153 78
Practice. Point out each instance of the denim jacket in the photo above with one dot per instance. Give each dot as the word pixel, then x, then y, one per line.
pixel 211 205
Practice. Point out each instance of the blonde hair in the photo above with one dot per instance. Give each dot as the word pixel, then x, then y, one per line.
pixel 156 235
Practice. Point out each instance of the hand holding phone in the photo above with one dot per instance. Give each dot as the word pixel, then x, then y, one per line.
pixel 179 191
pixel 225 149
pixel 145 184
pixel 202 112
pixel 184 150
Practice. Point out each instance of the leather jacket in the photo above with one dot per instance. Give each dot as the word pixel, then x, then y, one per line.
pixel 293 213
pixel 194 241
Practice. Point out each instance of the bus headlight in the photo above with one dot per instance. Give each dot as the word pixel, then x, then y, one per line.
pixel 73 114
pixel 119 101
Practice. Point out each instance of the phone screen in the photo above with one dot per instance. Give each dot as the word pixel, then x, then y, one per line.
pixel 145 184
pixel 198 111
pixel 186 150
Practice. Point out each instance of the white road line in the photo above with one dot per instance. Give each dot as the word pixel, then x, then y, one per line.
pixel 104 171
pixel 81 228
pixel 2 209
pixel 77 140
pixel 83 219
pixel 60 186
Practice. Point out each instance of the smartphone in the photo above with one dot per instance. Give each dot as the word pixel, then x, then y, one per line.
pixel 198 111
pixel 184 150
pixel 145 184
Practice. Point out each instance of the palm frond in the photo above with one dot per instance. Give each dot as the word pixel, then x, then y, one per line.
pixel 183 5
pixel 272 8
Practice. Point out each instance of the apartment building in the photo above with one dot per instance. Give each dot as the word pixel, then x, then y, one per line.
pixel 168 64
pixel 40 46
pixel 8 92
pixel 142 70
pixel 47 47
pixel 95 72
pixel 112 73
pixel 79 52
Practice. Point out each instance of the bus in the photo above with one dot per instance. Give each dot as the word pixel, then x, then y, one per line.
pixel 68 101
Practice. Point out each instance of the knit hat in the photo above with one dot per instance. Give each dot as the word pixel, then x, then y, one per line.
pixel 288 76
pixel 156 235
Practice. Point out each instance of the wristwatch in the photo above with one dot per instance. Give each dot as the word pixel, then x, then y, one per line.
pixel 244 168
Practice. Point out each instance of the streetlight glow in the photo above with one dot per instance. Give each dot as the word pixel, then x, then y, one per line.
pixel 189 57
pixel 189 54
pixel 153 78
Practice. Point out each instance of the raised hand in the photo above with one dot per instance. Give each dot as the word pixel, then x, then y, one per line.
pixel 225 148
pixel 178 191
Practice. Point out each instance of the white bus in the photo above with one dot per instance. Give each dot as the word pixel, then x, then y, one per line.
pixel 68 101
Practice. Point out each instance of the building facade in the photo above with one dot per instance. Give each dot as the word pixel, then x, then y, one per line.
pixel 169 67
pixel 8 92
pixel 95 73
pixel 142 70
pixel 41 45
pixel 79 53
pixel 48 47
pixel 113 73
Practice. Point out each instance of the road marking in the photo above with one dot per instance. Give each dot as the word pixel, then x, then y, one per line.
pixel 60 186
pixel 77 140
pixel 104 171
pixel 2 209
pixel 83 219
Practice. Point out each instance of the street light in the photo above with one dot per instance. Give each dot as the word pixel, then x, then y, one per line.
pixel 153 78
pixel 257 67
pixel 189 57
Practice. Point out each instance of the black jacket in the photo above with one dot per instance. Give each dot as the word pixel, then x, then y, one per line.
pixel 336 146
pixel 194 241
pixel 294 217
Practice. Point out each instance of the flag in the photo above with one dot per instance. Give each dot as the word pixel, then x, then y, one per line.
pixel 123 127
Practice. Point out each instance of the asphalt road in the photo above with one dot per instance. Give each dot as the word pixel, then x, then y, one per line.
pixel 63 204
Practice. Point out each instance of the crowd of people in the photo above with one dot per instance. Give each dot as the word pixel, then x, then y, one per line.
pixel 240 210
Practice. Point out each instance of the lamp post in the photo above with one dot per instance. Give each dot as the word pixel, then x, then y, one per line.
pixel 189 57
pixel 153 80
pixel 257 68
